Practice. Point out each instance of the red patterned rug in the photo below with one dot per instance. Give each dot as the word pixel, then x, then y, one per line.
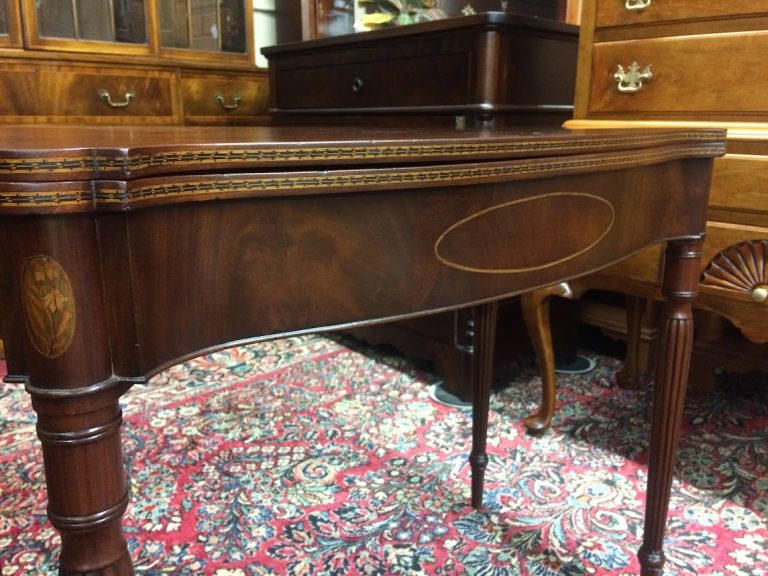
pixel 307 457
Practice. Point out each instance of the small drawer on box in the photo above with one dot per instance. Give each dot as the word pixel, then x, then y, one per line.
pixel 624 12
pixel 219 99
pixel 429 80
pixel 73 93
pixel 687 77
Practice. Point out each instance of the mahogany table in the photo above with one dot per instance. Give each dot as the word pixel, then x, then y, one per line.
pixel 125 250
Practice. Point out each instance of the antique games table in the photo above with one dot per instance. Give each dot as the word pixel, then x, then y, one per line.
pixel 125 250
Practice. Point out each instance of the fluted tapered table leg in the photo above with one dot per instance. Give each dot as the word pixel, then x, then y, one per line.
pixel 482 376
pixel 680 284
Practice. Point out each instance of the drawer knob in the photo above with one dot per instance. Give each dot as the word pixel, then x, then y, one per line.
pixel 632 80
pixel 760 294
pixel 357 84
pixel 637 4
pixel 104 95
pixel 233 106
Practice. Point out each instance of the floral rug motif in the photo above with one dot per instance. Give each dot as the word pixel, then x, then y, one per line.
pixel 318 456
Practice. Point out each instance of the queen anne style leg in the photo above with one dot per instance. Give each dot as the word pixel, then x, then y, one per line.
pixel 535 306
pixel 681 274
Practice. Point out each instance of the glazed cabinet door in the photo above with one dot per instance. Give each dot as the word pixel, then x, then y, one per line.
pixel 107 26
pixel 211 28
pixel 10 24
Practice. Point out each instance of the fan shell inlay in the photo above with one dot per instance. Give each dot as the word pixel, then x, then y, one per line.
pixel 741 267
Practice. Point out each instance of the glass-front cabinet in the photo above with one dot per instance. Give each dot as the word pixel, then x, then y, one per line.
pixel 149 62
pixel 191 29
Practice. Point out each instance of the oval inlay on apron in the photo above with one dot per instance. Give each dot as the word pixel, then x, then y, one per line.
pixel 49 305
pixel 549 229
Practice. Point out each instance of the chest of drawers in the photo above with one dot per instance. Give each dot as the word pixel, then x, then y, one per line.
pixel 680 62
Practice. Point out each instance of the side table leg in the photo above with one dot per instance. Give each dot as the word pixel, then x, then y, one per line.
pixel 629 376
pixel 482 380
pixel 79 431
pixel 535 306
pixel 681 274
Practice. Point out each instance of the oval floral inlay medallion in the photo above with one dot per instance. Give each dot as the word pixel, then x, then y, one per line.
pixel 49 305
pixel 527 234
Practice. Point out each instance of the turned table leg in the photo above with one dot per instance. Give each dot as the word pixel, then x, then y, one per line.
pixel 79 431
pixel 679 288
pixel 482 380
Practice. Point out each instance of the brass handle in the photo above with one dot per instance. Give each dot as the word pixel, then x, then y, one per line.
pixel 760 294
pixel 235 102
pixel 637 4
pixel 632 80
pixel 104 95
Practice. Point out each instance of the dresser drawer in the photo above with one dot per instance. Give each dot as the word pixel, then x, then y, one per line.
pixel 616 12
pixel 694 77
pixel 739 190
pixel 434 80
pixel 72 93
pixel 223 99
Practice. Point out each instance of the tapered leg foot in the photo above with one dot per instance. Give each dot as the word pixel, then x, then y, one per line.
pixel 482 379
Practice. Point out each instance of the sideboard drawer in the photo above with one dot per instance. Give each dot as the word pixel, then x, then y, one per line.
pixel 430 80
pixel 693 77
pixel 223 99
pixel 625 12
pixel 73 93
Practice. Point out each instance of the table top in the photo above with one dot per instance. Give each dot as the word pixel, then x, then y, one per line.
pixel 40 153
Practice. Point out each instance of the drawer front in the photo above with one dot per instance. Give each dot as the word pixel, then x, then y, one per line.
pixel 70 93
pixel 223 99
pixel 623 12
pixel 739 190
pixel 424 81
pixel 693 77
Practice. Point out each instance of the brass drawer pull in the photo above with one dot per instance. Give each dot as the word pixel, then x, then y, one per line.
pixel 637 4
pixel 760 294
pixel 632 79
pixel 104 95
pixel 235 102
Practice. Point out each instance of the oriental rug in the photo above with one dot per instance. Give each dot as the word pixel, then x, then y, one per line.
pixel 319 456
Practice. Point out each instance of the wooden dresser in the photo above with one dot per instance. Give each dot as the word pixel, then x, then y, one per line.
pixel 130 62
pixel 685 62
